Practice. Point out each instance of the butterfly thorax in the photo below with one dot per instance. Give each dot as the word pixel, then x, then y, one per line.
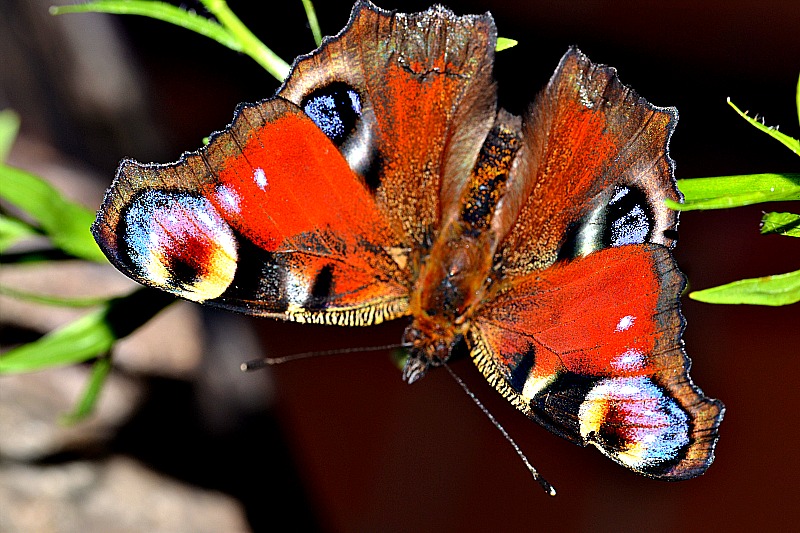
pixel 454 276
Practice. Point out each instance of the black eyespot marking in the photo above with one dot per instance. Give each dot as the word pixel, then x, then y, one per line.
pixel 671 234
pixel 321 289
pixel 520 373
pixel 335 108
pixel 563 396
pixel 628 218
pixel 569 248
pixel 183 273
pixel 259 276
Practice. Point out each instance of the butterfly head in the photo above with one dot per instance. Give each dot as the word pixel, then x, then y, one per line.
pixel 429 345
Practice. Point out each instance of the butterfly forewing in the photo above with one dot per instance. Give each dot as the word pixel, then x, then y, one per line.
pixel 268 219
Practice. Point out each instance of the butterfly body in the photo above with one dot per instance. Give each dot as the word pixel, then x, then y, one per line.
pixel 382 182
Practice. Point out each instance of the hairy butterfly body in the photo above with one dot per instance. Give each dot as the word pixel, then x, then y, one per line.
pixel 382 181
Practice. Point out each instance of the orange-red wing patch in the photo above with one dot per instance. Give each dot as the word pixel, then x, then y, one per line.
pixel 591 348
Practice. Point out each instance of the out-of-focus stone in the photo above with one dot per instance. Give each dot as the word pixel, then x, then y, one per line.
pixel 170 345
pixel 117 495
pixel 31 406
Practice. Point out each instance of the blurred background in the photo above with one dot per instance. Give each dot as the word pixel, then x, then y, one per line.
pixel 183 441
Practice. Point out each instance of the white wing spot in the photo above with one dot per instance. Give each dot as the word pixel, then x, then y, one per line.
pixel 260 178
pixel 625 323
pixel 632 359
pixel 228 198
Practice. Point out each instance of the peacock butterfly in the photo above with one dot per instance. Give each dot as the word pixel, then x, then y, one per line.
pixel 382 181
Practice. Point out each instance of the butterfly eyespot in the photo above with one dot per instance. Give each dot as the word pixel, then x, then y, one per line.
pixel 628 219
pixel 179 243
pixel 625 218
pixel 632 420
pixel 335 109
pixel 340 112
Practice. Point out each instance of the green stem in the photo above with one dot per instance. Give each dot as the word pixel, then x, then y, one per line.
pixel 251 45
pixel 313 23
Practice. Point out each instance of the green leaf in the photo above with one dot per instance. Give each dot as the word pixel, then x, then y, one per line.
pixel 229 31
pixel 735 191
pixel 791 143
pixel 159 11
pixel 90 336
pixel 13 231
pixel 504 43
pixel 782 289
pixel 9 127
pixel 797 98
pixel 786 224
pixel 85 406
pixel 45 299
pixel 64 222
pixel 313 23
pixel 83 339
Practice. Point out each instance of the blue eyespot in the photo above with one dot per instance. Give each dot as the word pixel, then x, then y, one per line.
pixel 335 108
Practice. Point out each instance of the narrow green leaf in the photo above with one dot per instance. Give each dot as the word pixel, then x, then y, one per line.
pixel 229 32
pixel 45 299
pixel 83 339
pixel 791 143
pixel 9 127
pixel 250 44
pixel 313 23
pixel 787 224
pixel 12 231
pixel 157 10
pixel 85 406
pixel 90 336
pixel 64 222
pixel 781 289
pixel 735 191
pixel 504 43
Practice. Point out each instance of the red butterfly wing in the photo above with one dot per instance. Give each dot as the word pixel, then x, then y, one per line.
pixel 588 140
pixel 581 328
pixel 306 207
pixel 592 350
pixel 425 88
pixel 268 219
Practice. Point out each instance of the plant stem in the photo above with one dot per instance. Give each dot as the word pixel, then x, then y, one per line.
pixel 251 45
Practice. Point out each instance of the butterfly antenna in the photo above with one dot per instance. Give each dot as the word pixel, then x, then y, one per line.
pixel 548 488
pixel 257 364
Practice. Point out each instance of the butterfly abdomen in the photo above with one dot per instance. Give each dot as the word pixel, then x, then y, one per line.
pixel 454 276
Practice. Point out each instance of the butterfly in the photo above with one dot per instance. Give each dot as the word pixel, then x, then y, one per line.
pixel 382 181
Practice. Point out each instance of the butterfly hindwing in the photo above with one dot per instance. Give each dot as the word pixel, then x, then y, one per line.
pixel 591 349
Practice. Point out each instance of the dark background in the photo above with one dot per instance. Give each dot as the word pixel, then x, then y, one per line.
pixel 348 446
